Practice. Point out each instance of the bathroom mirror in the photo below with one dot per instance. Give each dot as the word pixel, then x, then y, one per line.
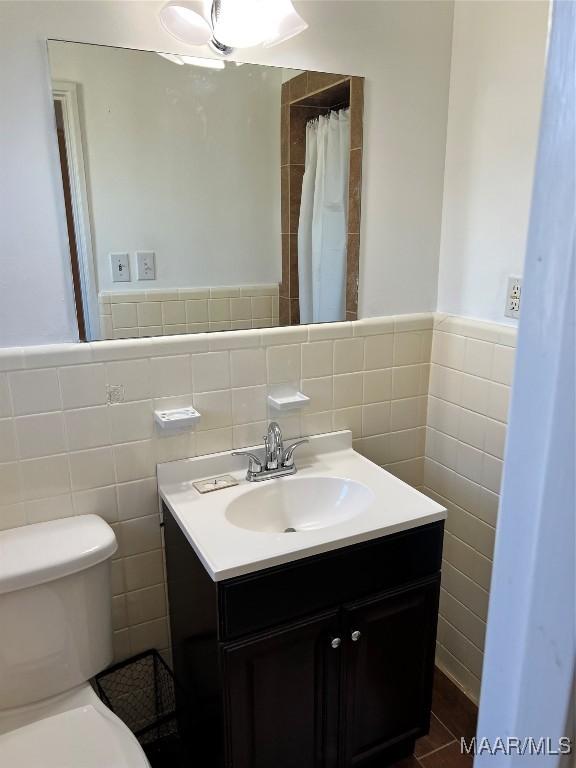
pixel 206 195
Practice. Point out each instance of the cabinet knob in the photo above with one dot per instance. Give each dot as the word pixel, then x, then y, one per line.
pixel 356 635
pixel 336 642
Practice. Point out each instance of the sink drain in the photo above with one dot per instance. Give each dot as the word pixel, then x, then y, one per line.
pixel 289 530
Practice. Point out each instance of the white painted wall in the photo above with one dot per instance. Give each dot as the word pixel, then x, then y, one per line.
pixel 403 50
pixel 182 161
pixel 496 85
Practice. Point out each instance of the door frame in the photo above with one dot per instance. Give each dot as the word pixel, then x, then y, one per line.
pixel 66 93
pixel 529 668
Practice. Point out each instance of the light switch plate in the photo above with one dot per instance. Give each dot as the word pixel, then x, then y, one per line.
pixel 120 263
pixel 513 297
pixel 146 261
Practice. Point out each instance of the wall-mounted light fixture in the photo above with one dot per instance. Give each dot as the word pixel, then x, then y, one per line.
pixel 229 24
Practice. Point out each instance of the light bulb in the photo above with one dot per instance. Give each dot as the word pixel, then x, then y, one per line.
pixel 240 23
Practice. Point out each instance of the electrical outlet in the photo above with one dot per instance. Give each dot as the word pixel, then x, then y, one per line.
pixel 115 394
pixel 120 263
pixel 513 297
pixel 146 261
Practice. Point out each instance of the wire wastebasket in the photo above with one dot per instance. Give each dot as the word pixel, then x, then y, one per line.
pixel 142 692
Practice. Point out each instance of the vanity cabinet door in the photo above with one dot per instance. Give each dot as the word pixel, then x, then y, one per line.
pixel 388 667
pixel 281 697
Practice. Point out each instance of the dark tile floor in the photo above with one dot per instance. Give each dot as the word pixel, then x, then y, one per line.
pixel 453 717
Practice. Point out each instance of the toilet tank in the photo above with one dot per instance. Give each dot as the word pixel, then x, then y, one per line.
pixel 55 607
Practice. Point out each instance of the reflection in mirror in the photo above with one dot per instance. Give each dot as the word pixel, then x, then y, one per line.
pixel 203 195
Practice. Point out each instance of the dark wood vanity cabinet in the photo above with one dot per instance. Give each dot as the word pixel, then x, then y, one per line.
pixel 386 693
pixel 281 696
pixel 325 662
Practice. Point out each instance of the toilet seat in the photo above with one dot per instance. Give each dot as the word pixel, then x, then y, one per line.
pixel 85 736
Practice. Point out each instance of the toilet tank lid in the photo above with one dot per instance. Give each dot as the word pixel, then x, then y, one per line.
pixel 42 552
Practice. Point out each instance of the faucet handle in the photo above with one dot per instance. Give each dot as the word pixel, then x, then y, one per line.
pixel 254 463
pixel 288 457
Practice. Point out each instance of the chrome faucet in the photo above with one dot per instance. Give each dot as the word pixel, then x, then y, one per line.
pixel 277 462
pixel 274 446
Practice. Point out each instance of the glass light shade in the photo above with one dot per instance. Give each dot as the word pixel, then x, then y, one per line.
pixel 182 20
pixel 286 24
pixel 246 23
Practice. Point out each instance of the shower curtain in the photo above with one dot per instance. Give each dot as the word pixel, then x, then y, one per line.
pixel 323 224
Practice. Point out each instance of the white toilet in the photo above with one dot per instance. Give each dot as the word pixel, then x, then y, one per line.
pixel 55 634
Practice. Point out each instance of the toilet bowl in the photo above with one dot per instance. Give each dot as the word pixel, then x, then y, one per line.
pixel 74 730
pixel 55 614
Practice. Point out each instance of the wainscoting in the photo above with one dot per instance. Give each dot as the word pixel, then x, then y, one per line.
pixel 425 397
pixel 65 451
pixel 157 312
pixel 470 378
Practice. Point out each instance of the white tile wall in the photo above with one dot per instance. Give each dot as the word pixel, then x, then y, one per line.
pixel 65 451
pixel 431 407
pixel 470 378
pixel 137 314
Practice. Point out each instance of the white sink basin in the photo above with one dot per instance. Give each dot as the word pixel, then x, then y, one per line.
pixel 337 498
pixel 299 504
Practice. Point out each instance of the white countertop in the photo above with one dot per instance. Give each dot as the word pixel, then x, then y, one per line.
pixel 228 551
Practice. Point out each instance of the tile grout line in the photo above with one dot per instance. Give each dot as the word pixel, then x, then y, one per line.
pixel 462 541
pixel 451 653
pixel 443 724
pixel 455 628
pixel 493 527
pixel 453 740
pixel 469 579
